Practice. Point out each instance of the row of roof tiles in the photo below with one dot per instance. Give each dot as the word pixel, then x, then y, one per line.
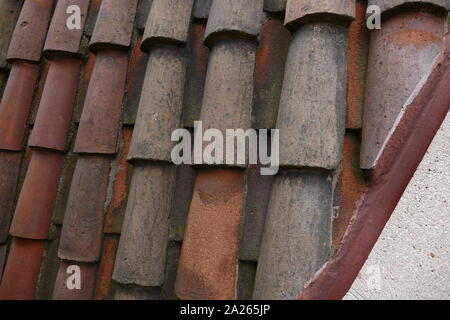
pixel 243 76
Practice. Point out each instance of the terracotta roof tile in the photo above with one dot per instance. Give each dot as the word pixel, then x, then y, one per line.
pixel 409 40
pixel 52 123
pixel 120 184
pixel 184 189
pixel 168 21
pixel 99 122
pixel 275 5
pixel 87 272
pixel 37 197
pixel 83 86
pixel 201 9
pixel 62 41
pixel 141 255
pixel 302 11
pixel 137 293
pixel 197 61
pixel 9 13
pixel 83 221
pixel 256 202
pixel 121 15
pixel 227 100
pixel 104 286
pixel 29 34
pixel 208 261
pixel 142 14
pixel 316 112
pixel 135 81
pixel 21 270
pixel 358 48
pixel 296 241
pixel 9 175
pixel 15 105
pixel 386 5
pixel 269 73
pixel 243 17
pixel 160 105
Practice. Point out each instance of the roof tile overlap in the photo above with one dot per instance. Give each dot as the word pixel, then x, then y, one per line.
pixel 119 14
pixel 168 21
pixel 62 41
pixel 9 13
pixel 30 31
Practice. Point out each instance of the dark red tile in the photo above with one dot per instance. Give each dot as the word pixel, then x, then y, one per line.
pixel 9 176
pixel 9 13
pixel 62 41
pixel 37 197
pixel 16 103
pixel 52 122
pixel 99 124
pixel 22 270
pixel 29 35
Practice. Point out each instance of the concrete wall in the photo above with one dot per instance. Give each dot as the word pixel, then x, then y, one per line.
pixel 411 260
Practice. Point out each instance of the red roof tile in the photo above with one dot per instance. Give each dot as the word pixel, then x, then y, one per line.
pixel 9 13
pixel 37 197
pixel 15 105
pixel 21 270
pixel 52 122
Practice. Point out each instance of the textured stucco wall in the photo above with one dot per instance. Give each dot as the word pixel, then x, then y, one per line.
pixel 411 260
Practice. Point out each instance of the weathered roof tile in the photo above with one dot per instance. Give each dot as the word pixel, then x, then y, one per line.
pixel 407 41
pixel 91 19
pixel 386 5
pixel 168 21
pixel 301 11
pixel 296 241
pixel 142 14
pixel 87 272
pixel 114 25
pixel 63 41
pixel 141 255
pixel 52 123
pixel 137 293
pixel 241 17
pixel 201 9
pixel 99 123
pixel 9 175
pixel 275 6
pixel 9 13
pixel 160 105
pixel 311 118
pixel 208 261
pixel 37 197
pixel 15 105
pixel 83 222
pixel 29 35
pixel 22 270
pixel 104 285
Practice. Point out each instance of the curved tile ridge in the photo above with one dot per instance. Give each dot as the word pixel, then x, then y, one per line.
pixel 29 34
pixel 168 21
pixel 242 18
pixel 388 5
pixel 311 119
pixel 304 11
pixel 63 41
pixel 275 6
pixel 9 13
pixel 415 37
pixel 114 26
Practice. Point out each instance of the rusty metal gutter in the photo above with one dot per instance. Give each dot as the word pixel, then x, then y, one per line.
pixel 401 154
